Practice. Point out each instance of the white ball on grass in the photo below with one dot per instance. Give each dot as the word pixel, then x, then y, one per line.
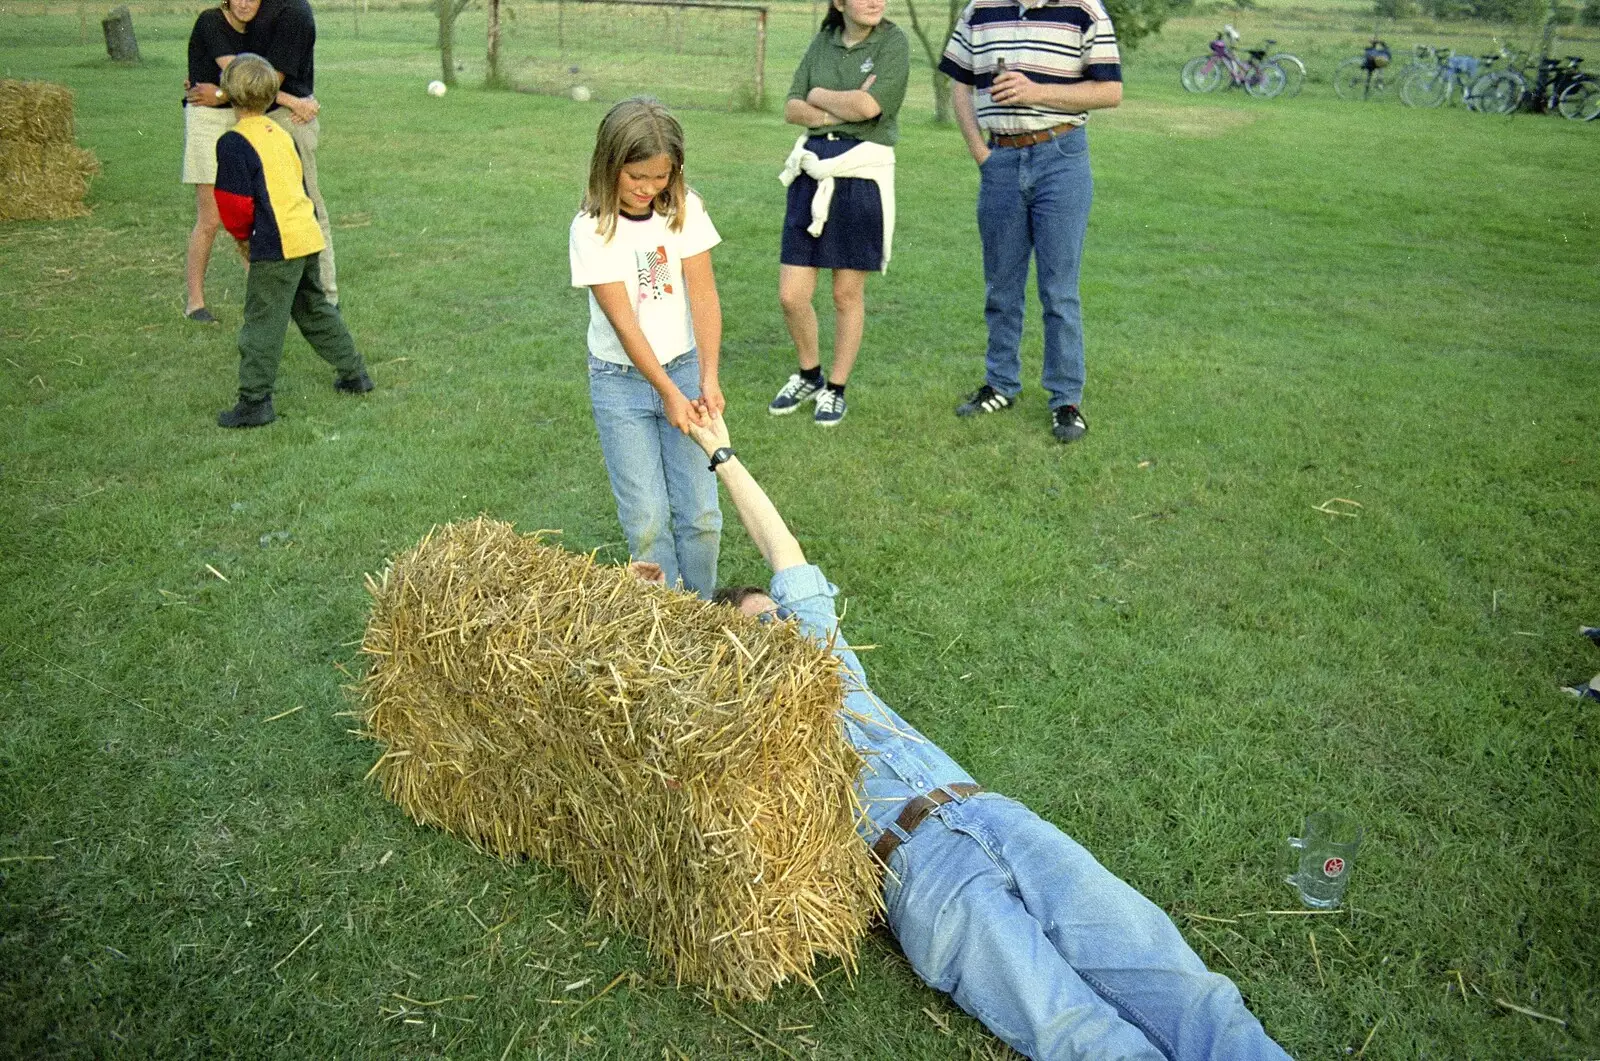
pixel 436 88
pixel 581 94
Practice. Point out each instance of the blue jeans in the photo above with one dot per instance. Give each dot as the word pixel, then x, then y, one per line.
pixel 1049 950
pixel 1034 202
pixel 666 499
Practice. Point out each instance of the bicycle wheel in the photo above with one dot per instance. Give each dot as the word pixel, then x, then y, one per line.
pixel 1499 92
pixel 1212 75
pixel 1294 72
pixel 1266 81
pixel 1190 68
pixel 1425 89
pixel 1350 79
pixel 1581 100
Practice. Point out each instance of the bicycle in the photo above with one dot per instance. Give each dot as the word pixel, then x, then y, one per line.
pixel 1361 76
pixel 1502 91
pixel 1451 74
pixel 1207 73
pixel 1556 77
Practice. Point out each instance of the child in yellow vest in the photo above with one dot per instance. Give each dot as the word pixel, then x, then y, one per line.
pixel 261 196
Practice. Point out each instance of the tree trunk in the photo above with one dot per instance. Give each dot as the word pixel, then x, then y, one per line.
pixel 121 44
pixel 941 83
pixel 493 79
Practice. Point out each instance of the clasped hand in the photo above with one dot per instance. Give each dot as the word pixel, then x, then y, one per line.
pixel 711 435
pixel 685 413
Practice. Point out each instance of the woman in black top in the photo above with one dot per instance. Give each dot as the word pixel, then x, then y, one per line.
pixel 219 34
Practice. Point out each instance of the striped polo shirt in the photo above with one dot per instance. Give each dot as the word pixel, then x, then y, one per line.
pixel 1057 42
pixel 261 191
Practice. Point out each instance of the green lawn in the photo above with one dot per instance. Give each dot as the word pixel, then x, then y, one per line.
pixel 1158 637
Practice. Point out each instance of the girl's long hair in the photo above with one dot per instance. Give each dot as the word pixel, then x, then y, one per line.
pixel 632 131
pixel 834 19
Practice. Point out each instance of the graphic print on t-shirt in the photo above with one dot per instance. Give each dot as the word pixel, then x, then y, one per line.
pixel 654 275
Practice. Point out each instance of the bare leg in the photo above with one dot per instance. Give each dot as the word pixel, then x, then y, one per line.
pixel 206 223
pixel 850 318
pixel 796 285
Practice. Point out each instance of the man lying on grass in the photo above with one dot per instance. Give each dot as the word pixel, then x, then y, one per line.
pixel 991 903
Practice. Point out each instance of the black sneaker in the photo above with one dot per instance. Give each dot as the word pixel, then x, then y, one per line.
pixel 1066 423
pixel 248 414
pixel 359 384
pixel 201 316
pixel 794 394
pixel 984 400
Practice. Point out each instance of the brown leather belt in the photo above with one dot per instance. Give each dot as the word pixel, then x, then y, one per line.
pixel 914 811
pixel 1029 139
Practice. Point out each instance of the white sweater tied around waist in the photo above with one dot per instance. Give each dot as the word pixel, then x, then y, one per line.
pixel 865 161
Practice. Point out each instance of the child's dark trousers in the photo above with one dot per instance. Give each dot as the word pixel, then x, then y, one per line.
pixel 275 293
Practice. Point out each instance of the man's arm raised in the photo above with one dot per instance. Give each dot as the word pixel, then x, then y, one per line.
pixel 756 511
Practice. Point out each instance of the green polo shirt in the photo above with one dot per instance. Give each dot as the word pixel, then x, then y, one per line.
pixel 829 64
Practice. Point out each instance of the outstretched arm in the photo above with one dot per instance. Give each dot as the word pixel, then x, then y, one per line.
pixel 756 511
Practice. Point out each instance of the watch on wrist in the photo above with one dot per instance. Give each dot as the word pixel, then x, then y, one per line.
pixel 219 95
pixel 721 455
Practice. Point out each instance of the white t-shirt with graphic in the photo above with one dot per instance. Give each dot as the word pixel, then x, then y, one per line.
pixel 648 257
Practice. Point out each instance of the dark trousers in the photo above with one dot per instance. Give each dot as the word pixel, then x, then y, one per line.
pixel 275 293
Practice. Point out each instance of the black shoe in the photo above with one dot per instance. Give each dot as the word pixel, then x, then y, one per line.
pixel 358 384
pixel 247 414
pixel 794 394
pixel 201 316
pixel 1066 423
pixel 984 400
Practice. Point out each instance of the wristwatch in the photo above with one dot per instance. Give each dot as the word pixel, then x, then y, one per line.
pixel 219 95
pixel 722 455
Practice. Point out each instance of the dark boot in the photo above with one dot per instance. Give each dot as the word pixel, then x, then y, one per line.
pixel 357 384
pixel 248 414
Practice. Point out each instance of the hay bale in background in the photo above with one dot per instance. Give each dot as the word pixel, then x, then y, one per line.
pixel 683 762
pixel 36 111
pixel 44 175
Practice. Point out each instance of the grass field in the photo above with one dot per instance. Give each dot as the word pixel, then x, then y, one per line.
pixel 1158 637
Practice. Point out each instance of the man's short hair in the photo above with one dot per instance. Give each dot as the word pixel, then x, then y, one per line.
pixel 250 82
pixel 734 596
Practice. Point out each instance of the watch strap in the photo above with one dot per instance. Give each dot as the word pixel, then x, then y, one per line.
pixel 721 455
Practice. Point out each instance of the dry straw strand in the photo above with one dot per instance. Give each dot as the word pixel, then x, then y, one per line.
pixel 684 763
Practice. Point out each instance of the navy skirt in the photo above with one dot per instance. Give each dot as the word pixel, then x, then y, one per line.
pixel 853 236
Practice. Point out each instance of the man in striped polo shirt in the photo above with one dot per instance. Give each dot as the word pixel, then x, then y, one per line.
pixel 1029 72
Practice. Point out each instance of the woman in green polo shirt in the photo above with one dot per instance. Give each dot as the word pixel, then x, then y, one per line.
pixel 847 93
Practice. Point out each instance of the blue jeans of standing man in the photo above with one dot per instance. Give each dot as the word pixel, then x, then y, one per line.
pixel 1034 202
pixel 666 499
pixel 1048 949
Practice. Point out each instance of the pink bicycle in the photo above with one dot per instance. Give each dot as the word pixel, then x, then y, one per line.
pixel 1222 67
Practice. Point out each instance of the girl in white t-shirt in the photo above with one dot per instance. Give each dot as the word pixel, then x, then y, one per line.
pixel 641 244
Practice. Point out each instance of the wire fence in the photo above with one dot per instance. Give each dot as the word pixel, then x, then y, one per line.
pixel 692 54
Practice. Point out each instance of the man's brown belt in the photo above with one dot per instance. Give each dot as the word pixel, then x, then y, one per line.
pixel 915 810
pixel 1029 139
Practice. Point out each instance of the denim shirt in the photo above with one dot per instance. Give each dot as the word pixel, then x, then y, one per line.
pixel 900 762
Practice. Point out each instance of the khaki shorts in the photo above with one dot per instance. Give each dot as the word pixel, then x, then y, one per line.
pixel 202 128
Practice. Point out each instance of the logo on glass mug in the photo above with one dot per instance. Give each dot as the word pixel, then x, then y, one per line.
pixel 1333 867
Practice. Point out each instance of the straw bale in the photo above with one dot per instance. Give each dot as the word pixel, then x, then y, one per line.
pixel 44 182
pixel 684 763
pixel 38 112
